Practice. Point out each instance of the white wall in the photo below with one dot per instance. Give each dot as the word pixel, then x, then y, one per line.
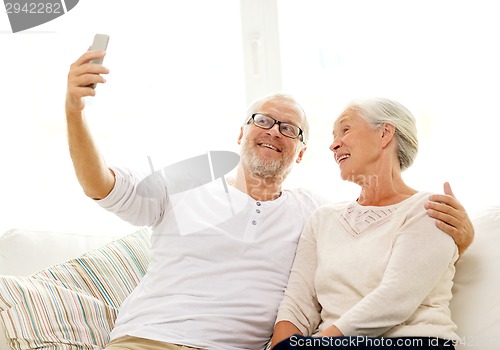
pixel 439 58
pixel 176 70
pixel 182 63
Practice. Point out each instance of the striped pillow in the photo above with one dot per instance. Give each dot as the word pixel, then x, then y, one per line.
pixel 73 305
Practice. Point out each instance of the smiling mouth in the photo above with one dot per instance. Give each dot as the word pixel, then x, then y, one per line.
pixel 342 157
pixel 268 145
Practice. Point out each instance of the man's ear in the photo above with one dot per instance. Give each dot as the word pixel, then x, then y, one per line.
pixel 241 136
pixel 388 131
pixel 300 155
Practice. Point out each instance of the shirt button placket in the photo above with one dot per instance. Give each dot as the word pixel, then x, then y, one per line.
pixel 254 222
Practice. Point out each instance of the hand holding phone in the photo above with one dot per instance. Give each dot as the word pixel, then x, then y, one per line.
pixel 100 43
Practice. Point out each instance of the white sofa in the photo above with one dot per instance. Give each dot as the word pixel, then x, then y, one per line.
pixel 62 290
pixel 96 282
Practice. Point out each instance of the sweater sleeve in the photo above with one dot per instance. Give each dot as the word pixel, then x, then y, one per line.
pixel 135 199
pixel 300 305
pixel 420 256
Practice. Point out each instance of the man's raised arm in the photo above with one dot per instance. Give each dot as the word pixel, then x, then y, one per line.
pixel 96 179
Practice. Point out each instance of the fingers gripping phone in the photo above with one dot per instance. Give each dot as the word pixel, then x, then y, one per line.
pixel 100 43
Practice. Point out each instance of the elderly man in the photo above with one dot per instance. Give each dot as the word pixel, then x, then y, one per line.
pixel 215 280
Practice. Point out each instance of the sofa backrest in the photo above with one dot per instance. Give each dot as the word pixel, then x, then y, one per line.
pixel 475 306
pixel 24 252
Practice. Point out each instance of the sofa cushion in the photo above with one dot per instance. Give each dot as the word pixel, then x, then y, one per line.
pixel 73 305
pixel 475 305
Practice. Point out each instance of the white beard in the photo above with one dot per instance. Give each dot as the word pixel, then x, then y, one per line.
pixel 265 168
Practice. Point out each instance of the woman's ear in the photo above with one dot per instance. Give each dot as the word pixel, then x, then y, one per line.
pixel 388 131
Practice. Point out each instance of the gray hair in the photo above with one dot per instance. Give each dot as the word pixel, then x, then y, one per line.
pixel 378 111
pixel 287 99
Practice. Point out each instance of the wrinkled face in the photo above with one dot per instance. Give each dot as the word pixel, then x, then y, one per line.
pixel 266 152
pixel 356 145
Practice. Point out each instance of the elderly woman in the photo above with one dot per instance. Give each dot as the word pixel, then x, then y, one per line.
pixel 375 273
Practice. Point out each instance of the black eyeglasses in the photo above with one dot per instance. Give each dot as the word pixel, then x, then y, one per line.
pixel 286 129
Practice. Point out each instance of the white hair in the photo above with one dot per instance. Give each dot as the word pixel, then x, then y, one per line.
pixel 378 111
